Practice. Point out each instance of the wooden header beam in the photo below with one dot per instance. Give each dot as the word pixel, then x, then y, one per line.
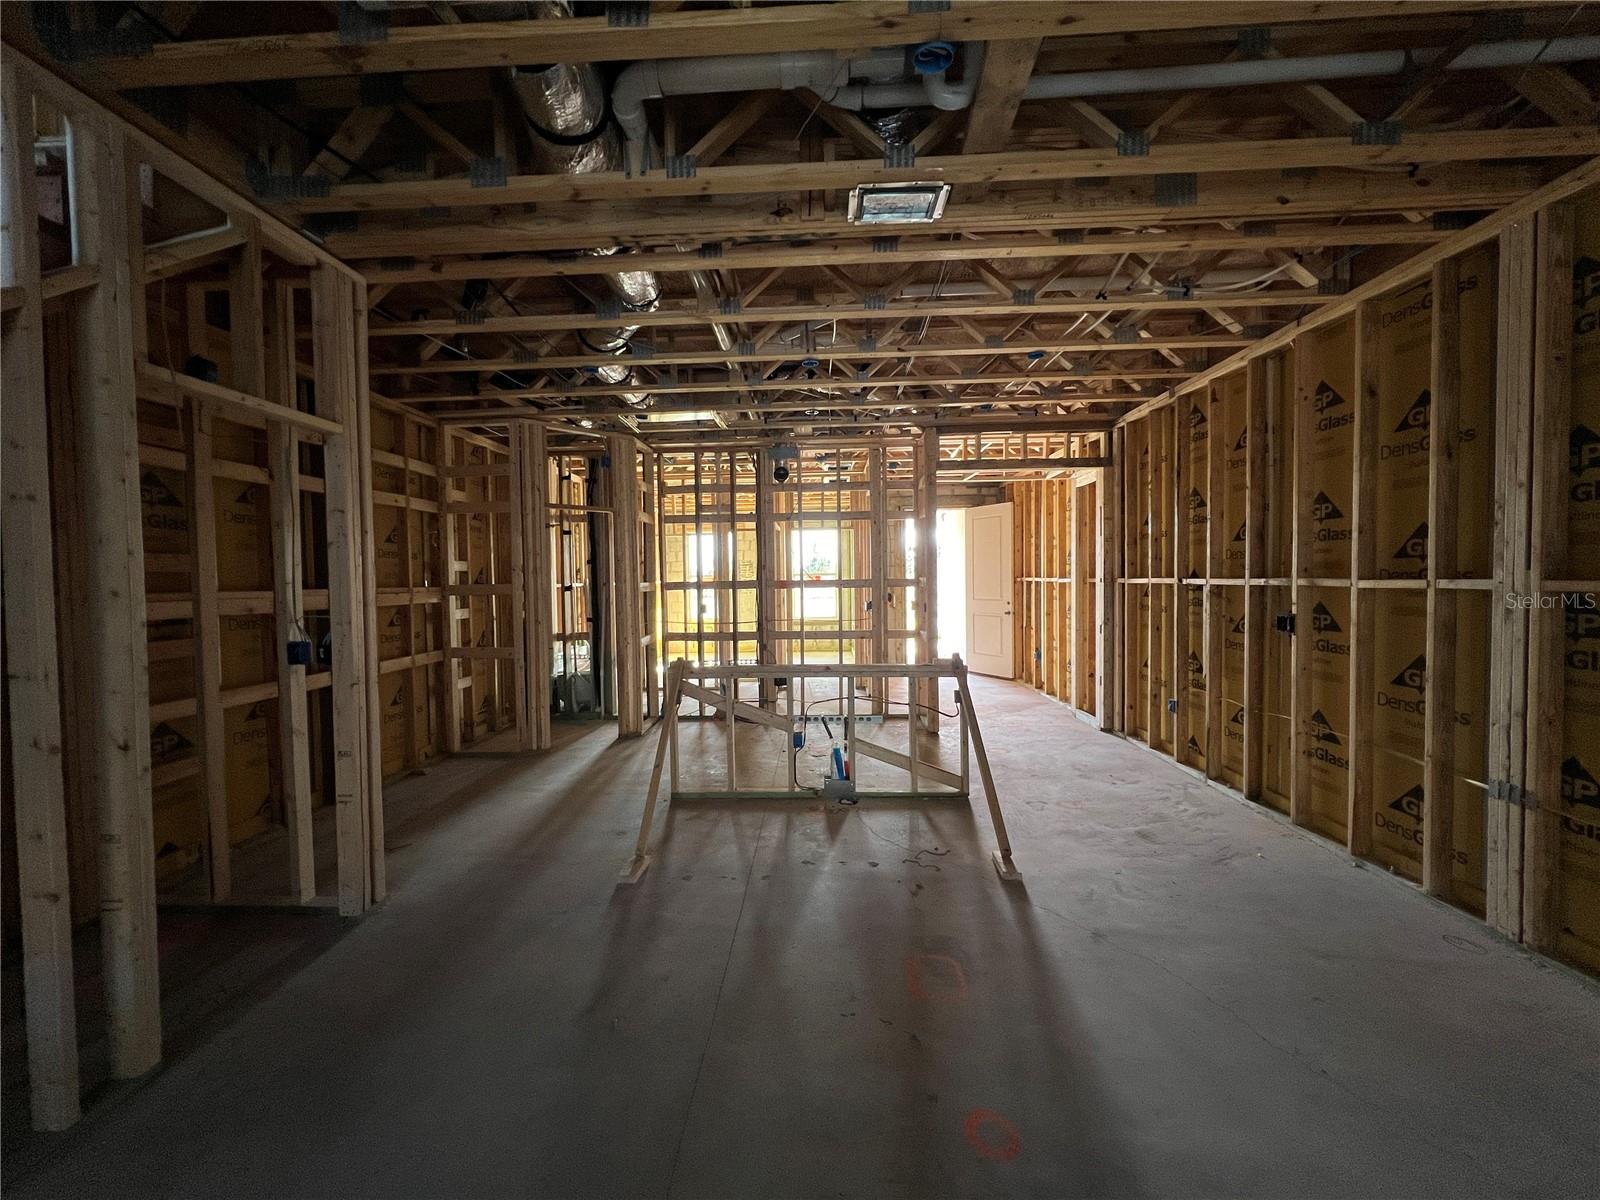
pixel 1225 196
pixel 909 250
pixel 827 384
pixel 1030 166
pixel 781 406
pixel 849 353
pixel 689 314
pixel 849 27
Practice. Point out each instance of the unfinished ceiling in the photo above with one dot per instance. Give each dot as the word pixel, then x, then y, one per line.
pixel 635 238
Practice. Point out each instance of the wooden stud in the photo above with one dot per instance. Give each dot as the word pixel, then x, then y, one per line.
pixel 1301 533
pixel 1508 648
pixel 34 740
pixel 1262 378
pixel 334 335
pixel 1439 687
pixel 927 511
pixel 115 726
pixel 450 619
pixel 628 627
pixel 1027 166
pixel 1108 544
pixel 360 410
pixel 523 664
pixel 1548 538
pixel 283 458
pixel 1363 601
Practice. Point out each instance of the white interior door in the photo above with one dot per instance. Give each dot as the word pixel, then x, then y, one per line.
pixel 991 637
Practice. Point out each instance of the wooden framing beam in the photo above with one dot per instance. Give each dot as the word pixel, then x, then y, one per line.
pixel 1230 196
pixel 926 500
pixel 1007 67
pixel 1549 536
pixel 288 602
pixel 1034 166
pixel 1439 694
pixel 334 352
pixel 1363 600
pixel 911 250
pixel 34 742
pixel 692 316
pixel 211 742
pixel 188 251
pixel 850 352
pixel 1555 92
pixel 115 729
pixel 350 141
pixel 678 34
pixel 625 579
pixel 160 383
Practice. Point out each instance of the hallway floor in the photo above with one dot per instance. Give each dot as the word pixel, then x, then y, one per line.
pixel 1184 997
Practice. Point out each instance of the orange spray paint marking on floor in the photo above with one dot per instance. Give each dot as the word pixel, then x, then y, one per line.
pixel 991 1135
pixel 935 977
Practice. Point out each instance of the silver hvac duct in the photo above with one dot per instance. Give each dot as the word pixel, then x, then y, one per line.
pixel 565 104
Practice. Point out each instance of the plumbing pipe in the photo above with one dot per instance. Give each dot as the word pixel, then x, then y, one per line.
pixel 1261 71
pixel 820 70
pixel 864 83
pixel 951 97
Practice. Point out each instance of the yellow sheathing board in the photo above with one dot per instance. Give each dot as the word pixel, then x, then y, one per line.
pixel 1578 902
pixel 1229 421
pixel 1231 714
pixel 1325 736
pixel 1161 665
pixel 394 714
pixel 1192 708
pixel 247 730
pixel 1400 674
pixel 244 537
pixel 1195 428
pixel 1583 508
pixel 1471 744
pixel 247 651
pixel 164 513
pixel 1400 476
pixel 1325 392
pixel 1277 663
pixel 1141 655
pixel 386 477
pixel 388 540
pixel 1139 513
pixel 1162 535
pixel 393 636
pixel 1579 889
pixel 1280 452
pixel 1475 447
pixel 180 821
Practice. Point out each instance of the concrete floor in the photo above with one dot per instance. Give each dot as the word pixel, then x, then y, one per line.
pixel 1186 997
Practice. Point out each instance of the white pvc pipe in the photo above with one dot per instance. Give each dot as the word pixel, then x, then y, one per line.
pixel 1251 72
pixel 820 70
pixel 830 76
